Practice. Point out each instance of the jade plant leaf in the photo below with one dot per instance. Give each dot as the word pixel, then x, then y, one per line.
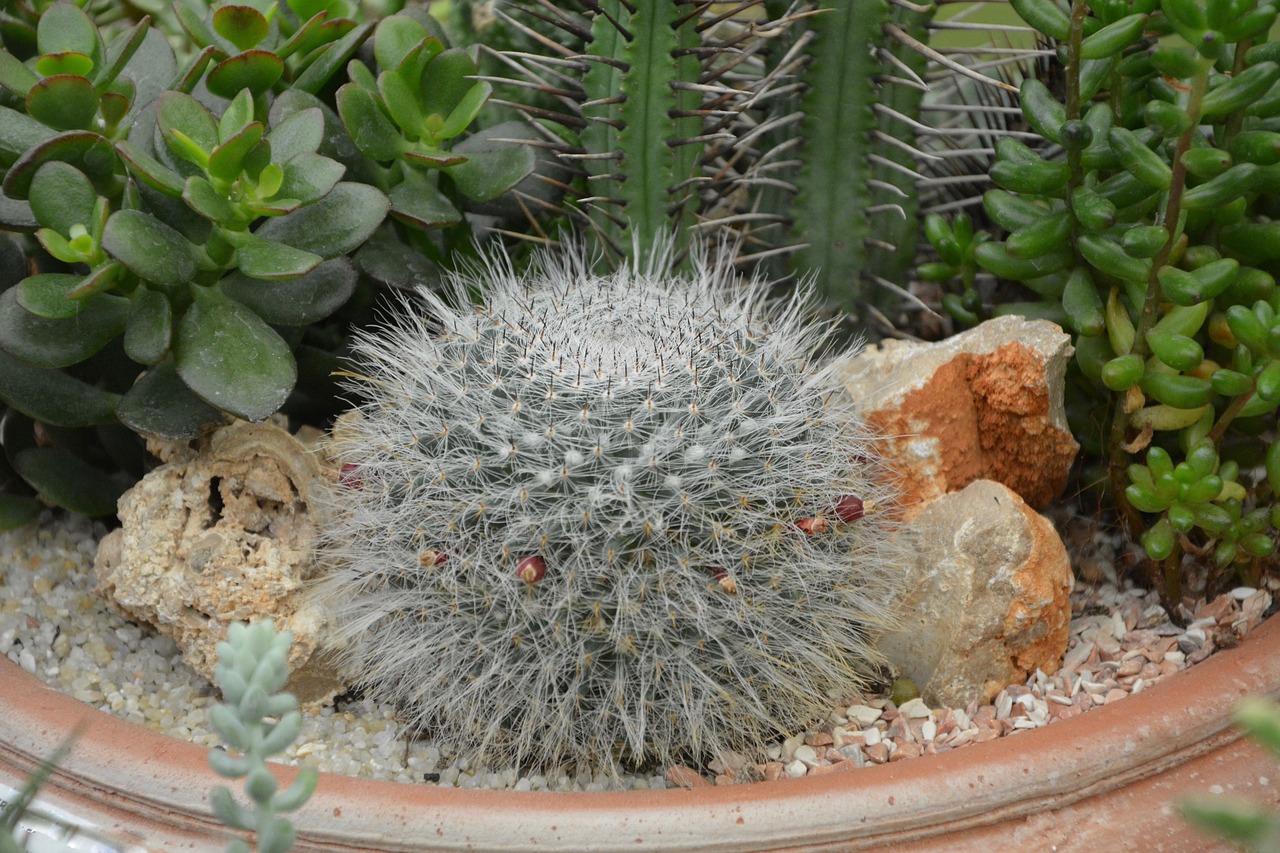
pixel 446 81
pixel 488 174
pixel 160 404
pixel 228 159
pixel 385 258
pixel 308 177
pixel 61 196
pixel 334 225
pixel 370 129
pixel 299 301
pixel 53 396
pixel 201 197
pixel 264 259
pixel 150 328
pixel 151 68
pixel 51 343
pixel 45 295
pixel 64 27
pixel 395 37
pixel 76 64
pixel 151 171
pixel 149 248
pixel 68 481
pixel 330 59
pixel 17 510
pixel 255 70
pixel 232 359
pixel 89 152
pixel 299 133
pixel 243 26
pixel 15 76
pixel 185 115
pixel 416 201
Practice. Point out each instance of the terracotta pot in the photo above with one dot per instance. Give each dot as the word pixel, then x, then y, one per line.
pixel 1104 780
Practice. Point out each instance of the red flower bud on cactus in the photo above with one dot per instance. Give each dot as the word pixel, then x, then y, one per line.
pixel 850 509
pixel 814 525
pixel 725 582
pixel 430 559
pixel 348 477
pixel 531 569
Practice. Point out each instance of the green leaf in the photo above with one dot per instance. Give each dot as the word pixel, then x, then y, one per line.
pixel 370 129
pixel 186 115
pixel 15 76
pixel 61 196
pixel 149 170
pixel 335 225
pixel 395 37
pixel 54 397
pixel 68 481
pixel 232 359
pixel 19 132
pixel 300 133
pixel 149 248
pixel 52 343
pixel 255 70
pixel 299 301
pixel 446 81
pixel 229 158
pixel 333 58
pixel 120 53
pixel 236 116
pixel 64 28
pixel 45 295
pixel 88 152
pixel 17 510
pixel 75 64
pixel 243 26
pixel 386 259
pixel 308 177
pixel 190 74
pixel 488 174
pixel 63 102
pixel 402 103
pixel 264 259
pixel 161 405
pixel 466 111
pixel 150 329
pixel 204 199
pixel 416 201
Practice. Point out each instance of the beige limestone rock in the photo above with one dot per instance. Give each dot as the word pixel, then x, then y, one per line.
pixel 223 533
pixel 984 404
pixel 991 601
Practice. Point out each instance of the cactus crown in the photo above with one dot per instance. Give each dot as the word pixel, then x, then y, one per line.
pixel 606 517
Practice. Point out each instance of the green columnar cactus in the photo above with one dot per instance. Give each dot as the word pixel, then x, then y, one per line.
pixel 613 517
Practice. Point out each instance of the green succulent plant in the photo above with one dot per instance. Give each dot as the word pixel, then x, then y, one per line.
pixel 185 229
pixel 1144 223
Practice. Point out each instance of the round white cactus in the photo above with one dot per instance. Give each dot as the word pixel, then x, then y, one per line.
pixel 608 518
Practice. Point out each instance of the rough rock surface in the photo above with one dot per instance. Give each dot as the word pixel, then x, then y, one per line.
pixel 222 533
pixel 992 597
pixel 984 404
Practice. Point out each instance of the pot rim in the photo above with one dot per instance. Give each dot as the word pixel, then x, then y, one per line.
pixel 1011 777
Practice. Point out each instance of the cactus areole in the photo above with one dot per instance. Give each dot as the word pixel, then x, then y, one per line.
pixel 624 470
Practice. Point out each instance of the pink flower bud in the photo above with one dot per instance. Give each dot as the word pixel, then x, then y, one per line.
pixel 849 509
pixel 531 569
pixel 348 477
pixel 814 525
pixel 430 559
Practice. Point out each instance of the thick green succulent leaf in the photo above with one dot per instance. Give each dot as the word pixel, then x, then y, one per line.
pixel 299 301
pixel 416 201
pixel 192 21
pixel 229 158
pixel 204 199
pixel 236 116
pixel 90 153
pixel 192 71
pixel 13 261
pixel 63 102
pixel 17 510
pixel 370 129
pixel 152 67
pixel 161 405
pixel 186 115
pixel 387 259
pixel 19 132
pixel 15 76
pixel 402 103
pixel 45 295
pixel 99 280
pixel 308 177
pixel 68 481
pixel 16 215
pixel 75 64
pixel 336 143
pixel 395 37
pixel 232 359
pixel 299 133
pixel 264 259
pixel 149 248
pixel 243 26
pixel 150 328
pixel 466 110
pixel 64 27
pixel 446 81
pixel 53 396
pixel 331 59
pixel 52 343
pixel 255 70
pixel 61 196
pixel 488 174
pixel 119 53
pixel 149 170
pixel 335 225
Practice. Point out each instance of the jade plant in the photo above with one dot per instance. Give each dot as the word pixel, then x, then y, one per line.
pixel 191 233
pixel 615 516
pixel 1144 224
pixel 257 719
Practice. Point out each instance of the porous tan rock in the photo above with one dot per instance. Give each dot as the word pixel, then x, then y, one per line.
pixel 991 597
pixel 222 533
pixel 984 404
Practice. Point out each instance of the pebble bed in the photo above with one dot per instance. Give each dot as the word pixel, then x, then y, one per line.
pixel 1122 641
